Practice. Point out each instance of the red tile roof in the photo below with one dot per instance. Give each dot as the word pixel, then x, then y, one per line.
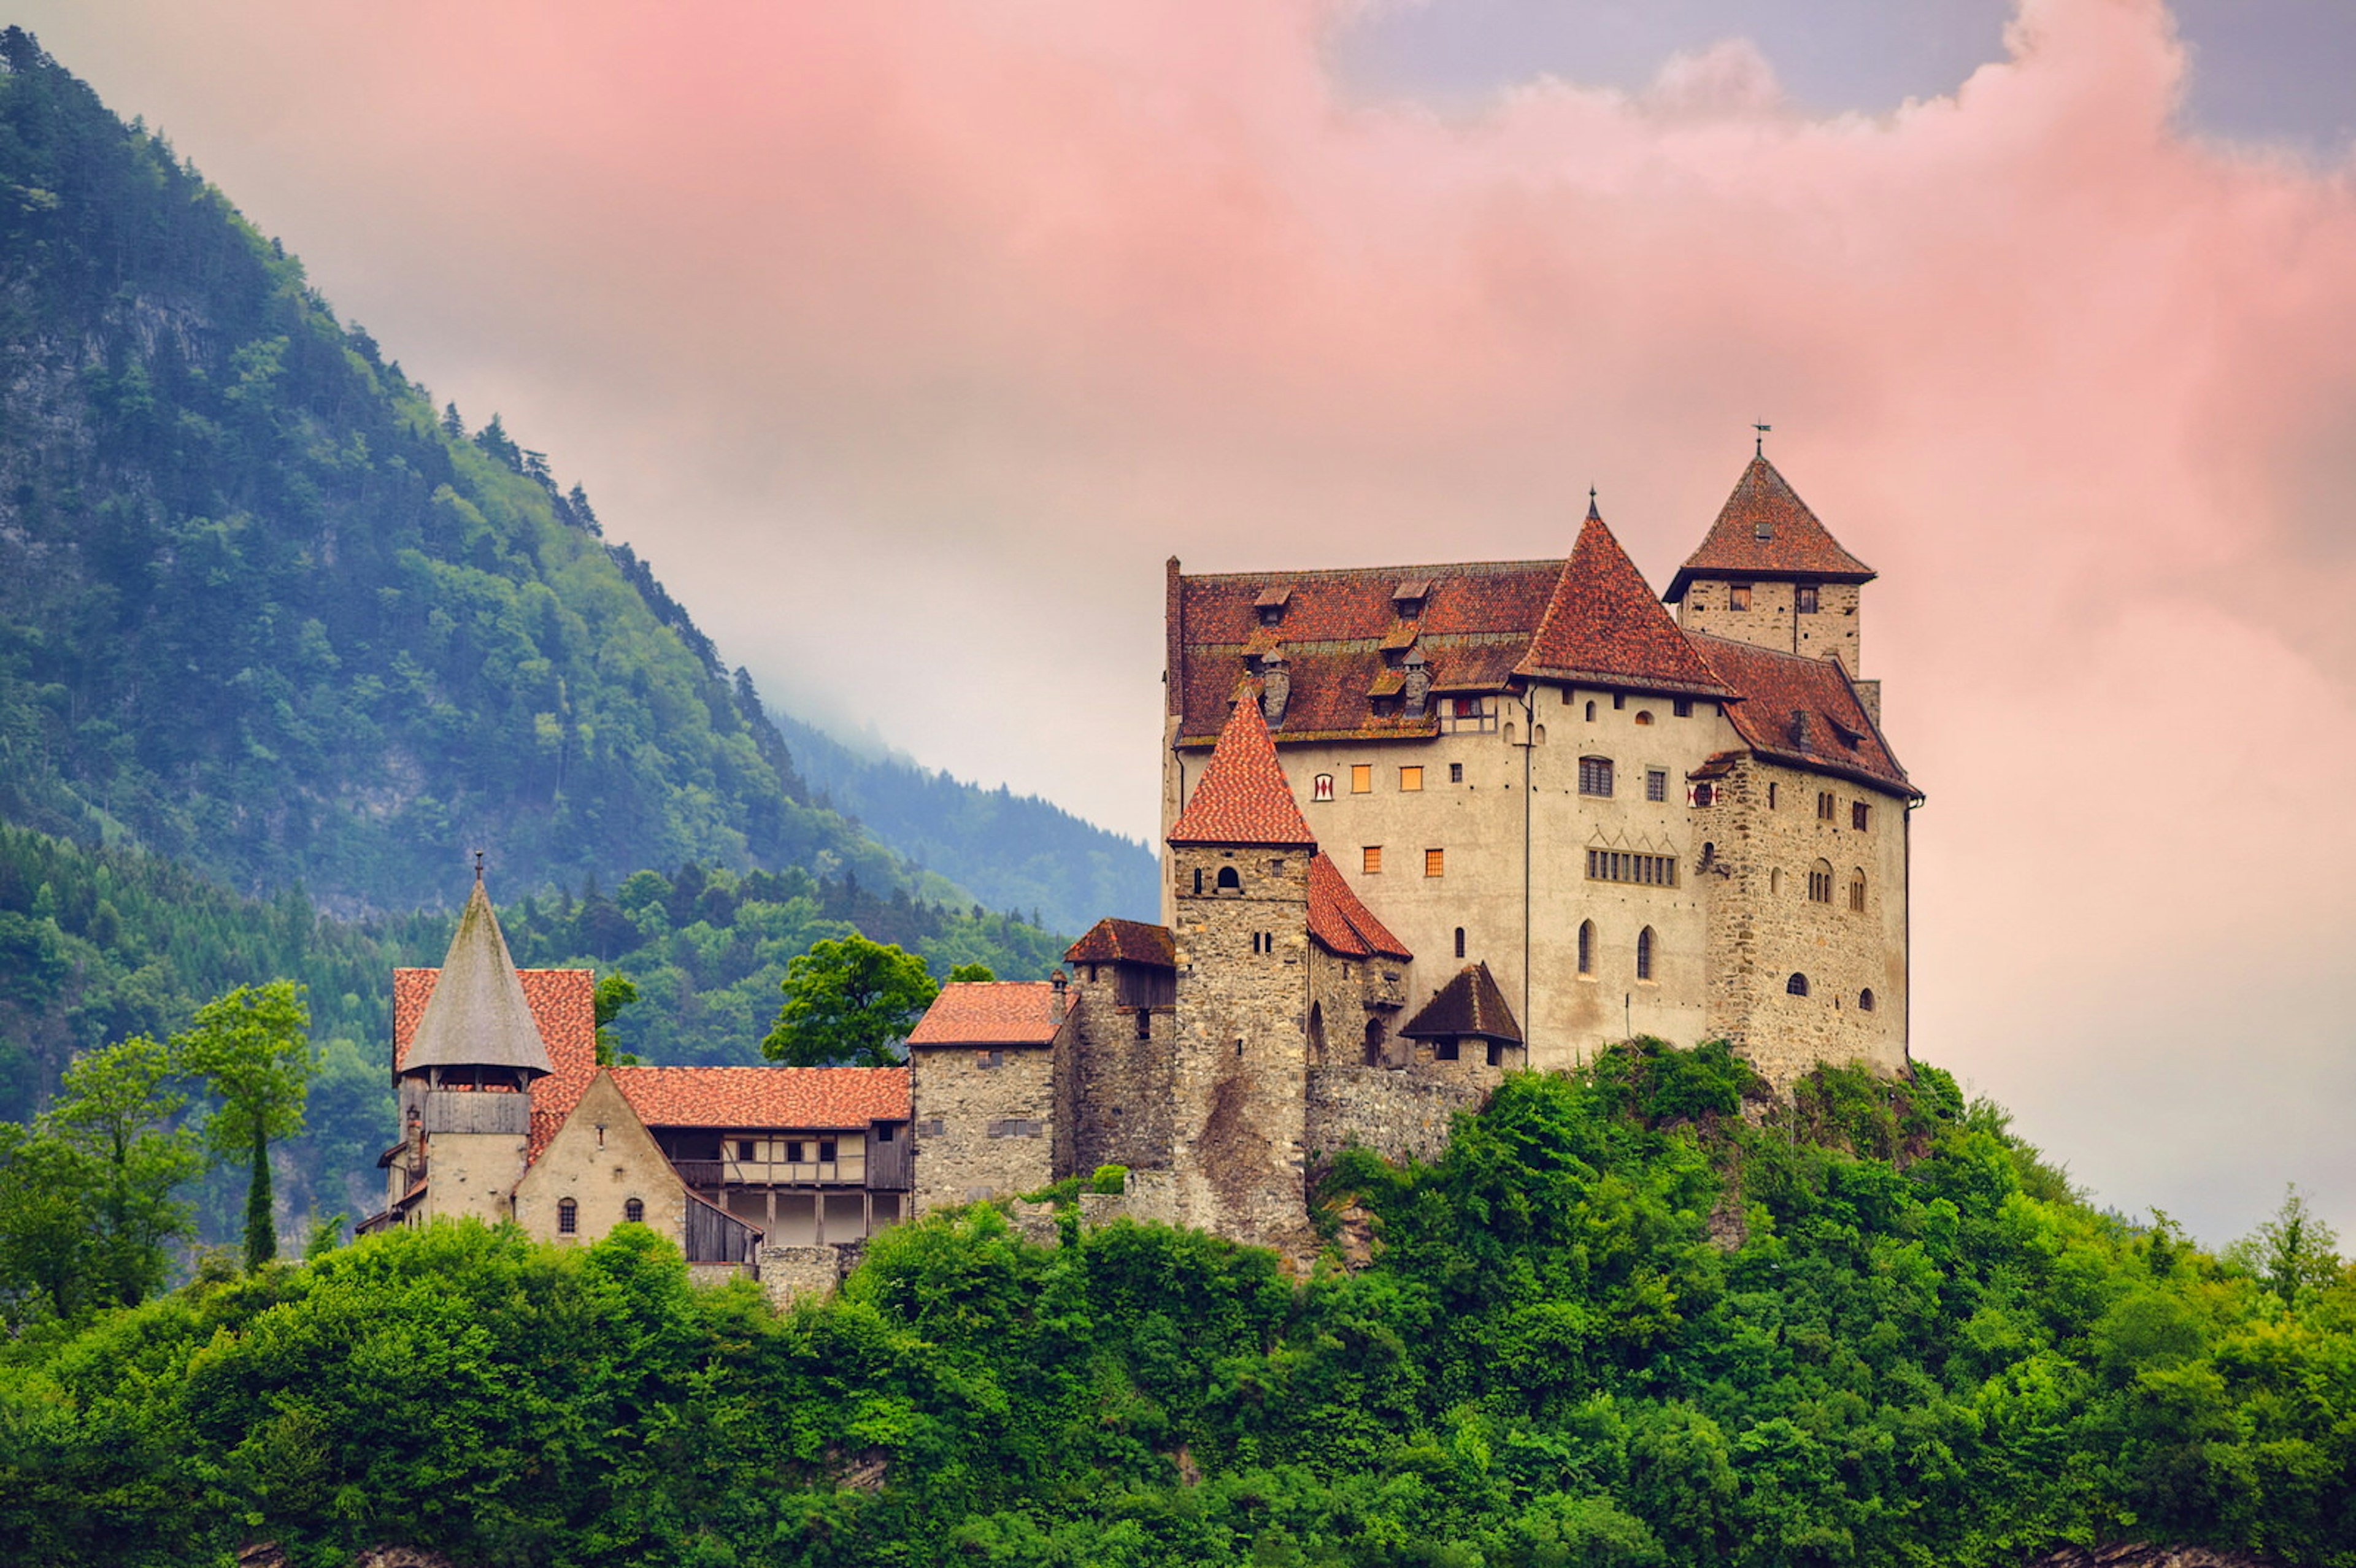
pixel 749 1097
pixel 1766 530
pixel 1803 711
pixel 1112 941
pixel 563 1004
pixel 989 1012
pixel 1341 924
pixel 1242 797
pixel 1470 1005
pixel 1604 626
pixel 1476 620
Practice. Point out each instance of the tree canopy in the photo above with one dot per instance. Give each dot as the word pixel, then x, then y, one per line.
pixel 852 1001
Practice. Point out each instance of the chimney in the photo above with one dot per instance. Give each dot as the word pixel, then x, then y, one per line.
pixel 1418 686
pixel 1055 1006
pixel 1275 688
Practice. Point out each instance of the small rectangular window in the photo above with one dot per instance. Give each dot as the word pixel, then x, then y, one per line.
pixel 1322 787
pixel 1411 781
pixel 1370 860
pixel 1362 778
pixel 1860 816
pixel 1443 1050
pixel 1656 784
pixel 1595 775
pixel 1435 862
pixel 744 1148
pixel 1682 707
pixel 1456 772
pixel 1804 599
pixel 987 1059
pixel 884 1132
pixel 1738 596
pixel 793 1151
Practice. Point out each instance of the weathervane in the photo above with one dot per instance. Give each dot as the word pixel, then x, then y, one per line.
pixel 479 867
pixel 1758 441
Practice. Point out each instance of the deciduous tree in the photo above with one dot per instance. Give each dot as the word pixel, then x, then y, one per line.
pixel 848 1001
pixel 251 1049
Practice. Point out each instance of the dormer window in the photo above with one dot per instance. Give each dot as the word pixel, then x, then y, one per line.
pixel 1271 604
pixel 1408 597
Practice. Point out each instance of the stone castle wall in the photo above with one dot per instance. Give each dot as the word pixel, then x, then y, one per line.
pixel 1115 1087
pixel 1399 1116
pixel 1765 929
pixel 1239 1092
pixel 981 1130
pixel 1773 622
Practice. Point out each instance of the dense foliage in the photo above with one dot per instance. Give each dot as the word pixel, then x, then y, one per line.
pixel 1013 852
pixel 1616 1324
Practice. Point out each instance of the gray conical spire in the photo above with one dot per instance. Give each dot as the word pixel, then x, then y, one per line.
pixel 477 1015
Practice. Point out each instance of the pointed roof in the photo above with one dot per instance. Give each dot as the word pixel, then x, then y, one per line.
pixel 1341 922
pixel 1766 530
pixel 1469 1007
pixel 1243 797
pixel 477 1015
pixel 1604 628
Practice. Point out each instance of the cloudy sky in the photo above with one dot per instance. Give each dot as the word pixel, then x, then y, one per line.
pixel 907 339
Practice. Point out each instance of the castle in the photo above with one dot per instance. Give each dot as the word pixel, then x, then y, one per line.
pixel 1421 824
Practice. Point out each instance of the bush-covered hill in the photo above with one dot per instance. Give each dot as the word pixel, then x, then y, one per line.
pixel 264 610
pixel 1617 1324
pixel 1013 852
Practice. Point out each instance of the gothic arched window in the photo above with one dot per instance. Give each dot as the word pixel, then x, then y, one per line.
pixel 1644 954
pixel 1587 947
pixel 1865 1000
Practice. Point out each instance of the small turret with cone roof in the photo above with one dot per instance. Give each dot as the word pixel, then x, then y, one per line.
pixel 478 1029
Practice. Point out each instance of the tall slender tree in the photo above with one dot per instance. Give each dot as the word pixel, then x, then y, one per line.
pixel 252 1050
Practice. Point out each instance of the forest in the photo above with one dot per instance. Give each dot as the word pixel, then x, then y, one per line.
pixel 1619 1322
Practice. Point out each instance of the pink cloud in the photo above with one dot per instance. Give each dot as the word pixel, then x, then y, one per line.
pixel 907 339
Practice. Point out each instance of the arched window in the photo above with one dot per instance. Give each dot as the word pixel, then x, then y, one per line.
pixel 1643 716
pixel 1775 879
pixel 1198 881
pixel 1797 986
pixel 1590 712
pixel 1856 891
pixel 1459 942
pixel 1374 1042
pixel 1820 882
pixel 1538 734
pixel 1865 1000
pixel 634 1211
pixel 1228 881
pixel 1587 947
pixel 1644 954
pixel 568 1217
pixel 1322 787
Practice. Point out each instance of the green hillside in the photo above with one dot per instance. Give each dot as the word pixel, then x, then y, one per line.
pixel 264 610
pixel 1013 851
pixel 1618 1324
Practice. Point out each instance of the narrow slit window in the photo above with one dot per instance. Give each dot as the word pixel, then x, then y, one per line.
pixel 1644 954
pixel 1459 942
pixel 1587 947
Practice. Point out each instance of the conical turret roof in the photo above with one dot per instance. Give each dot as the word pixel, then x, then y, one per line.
pixel 477 1015
pixel 1243 797
pixel 1766 530
pixel 1603 625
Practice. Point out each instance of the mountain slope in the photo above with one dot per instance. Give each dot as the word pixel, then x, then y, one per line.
pixel 263 609
pixel 1014 852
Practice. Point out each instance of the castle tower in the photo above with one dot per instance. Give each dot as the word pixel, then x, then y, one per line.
pixel 465 1083
pixel 1770 574
pixel 1239 860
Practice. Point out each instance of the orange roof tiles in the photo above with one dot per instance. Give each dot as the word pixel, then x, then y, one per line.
pixel 1242 796
pixel 1603 625
pixel 813 1097
pixel 1803 711
pixel 989 1012
pixel 1766 530
pixel 1340 922
pixel 1112 941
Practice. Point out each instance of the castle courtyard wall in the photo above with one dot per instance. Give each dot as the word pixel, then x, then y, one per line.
pixel 1400 1116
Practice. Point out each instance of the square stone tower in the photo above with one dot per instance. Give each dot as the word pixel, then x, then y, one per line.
pixel 1240 854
